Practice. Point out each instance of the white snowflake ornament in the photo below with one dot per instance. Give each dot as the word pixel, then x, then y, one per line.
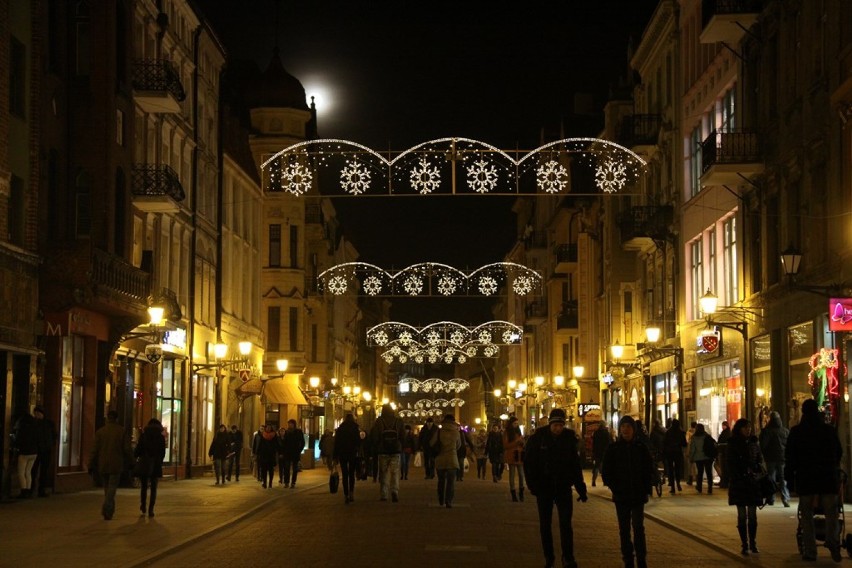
pixel 424 178
pixel 482 176
pixel 413 285
pixel 381 338
pixel 457 337
pixel 522 285
pixel 354 178
pixel 610 176
pixel 484 337
pixel 297 179
pixel 552 177
pixel 487 285
pixel 337 285
pixel 372 285
pixel 447 285
pixel 405 338
pixel 433 337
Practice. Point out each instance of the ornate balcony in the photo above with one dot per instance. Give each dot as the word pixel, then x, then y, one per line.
pixel 156 86
pixel 728 20
pixel 730 157
pixel 640 132
pixel 566 258
pixel 568 317
pixel 156 189
pixel 641 225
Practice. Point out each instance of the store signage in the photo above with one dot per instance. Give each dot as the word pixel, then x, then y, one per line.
pixel 840 310
pixel 583 409
pixel 708 341
pixel 175 338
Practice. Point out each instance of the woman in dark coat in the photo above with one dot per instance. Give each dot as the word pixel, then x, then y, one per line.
pixel 347 443
pixel 673 444
pixel 152 451
pixel 219 449
pixel 745 466
pixel 267 455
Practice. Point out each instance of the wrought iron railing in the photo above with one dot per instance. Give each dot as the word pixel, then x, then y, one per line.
pixel 566 253
pixel 640 129
pixel 536 310
pixel 710 8
pixel 646 221
pixel 153 180
pixel 157 75
pixel 114 273
pixel 734 147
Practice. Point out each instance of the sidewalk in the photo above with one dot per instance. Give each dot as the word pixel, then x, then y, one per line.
pixel 710 520
pixel 46 531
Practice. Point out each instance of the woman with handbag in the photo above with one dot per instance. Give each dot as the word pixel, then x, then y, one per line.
pixel 149 453
pixel 745 467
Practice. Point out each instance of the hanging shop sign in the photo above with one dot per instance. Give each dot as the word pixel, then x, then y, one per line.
pixel 841 314
pixel 586 408
pixel 709 340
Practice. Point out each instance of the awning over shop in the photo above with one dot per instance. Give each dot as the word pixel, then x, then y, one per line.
pixel 277 391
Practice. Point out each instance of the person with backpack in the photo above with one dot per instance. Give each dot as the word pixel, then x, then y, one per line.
pixel 386 437
pixel 702 452
pixel 445 445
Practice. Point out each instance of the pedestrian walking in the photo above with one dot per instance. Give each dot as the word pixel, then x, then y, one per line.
pixel 495 451
pixel 479 441
pixel 236 436
pixel 629 472
pixel 267 455
pixel 25 444
pixel 552 467
pixel 409 442
pixel 690 466
pixel 347 443
pixel 466 447
pixel 326 447
pixel 292 444
pixel 150 452
pixel 673 444
pixel 45 444
pixel 812 462
pixel 386 437
pixel 220 446
pixel 448 440
pixel 425 436
pixel 722 458
pixel 745 465
pixel 773 446
pixel 111 456
pixel 600 442
pixel 702 452
pixel 255 446
pixel 513 450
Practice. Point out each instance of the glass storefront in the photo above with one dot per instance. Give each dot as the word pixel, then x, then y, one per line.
pixel 762 380
pixel 800 339
pixel 71 404
pixel 169 407
pixel 720 395
pixel 666 397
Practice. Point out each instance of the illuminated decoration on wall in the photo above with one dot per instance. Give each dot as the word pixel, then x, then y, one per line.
pixel 434 385
pixel 824 379
pixel 428 279
pixel 450 166
pixel 441 352
pixel 437 334
pixel 840 310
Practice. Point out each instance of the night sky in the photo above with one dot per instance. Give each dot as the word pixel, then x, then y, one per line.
pixel 390 75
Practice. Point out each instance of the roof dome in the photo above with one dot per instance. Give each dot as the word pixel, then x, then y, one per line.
pixel 276 88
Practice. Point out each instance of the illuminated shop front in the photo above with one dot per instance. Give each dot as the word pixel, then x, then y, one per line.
pixel 720 395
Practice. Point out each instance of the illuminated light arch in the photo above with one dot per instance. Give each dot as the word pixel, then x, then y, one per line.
pixel 450 166
pixel 495 332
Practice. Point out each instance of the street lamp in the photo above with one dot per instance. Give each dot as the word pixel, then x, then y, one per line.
pixel 791 262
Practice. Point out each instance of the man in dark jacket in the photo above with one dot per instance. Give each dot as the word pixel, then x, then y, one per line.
pixel 255 446
pixel 673 444
pixel 46 433
pixel 629 472
pixel 347 442
pixel 722 458
pixel 236 451
pixel 292 445
pixel 811 467
pixel 552 467
pixel 600 442
pixel 386 438
pixel 426 433
pixel 773 445
pixel 26 446
pixel 495 450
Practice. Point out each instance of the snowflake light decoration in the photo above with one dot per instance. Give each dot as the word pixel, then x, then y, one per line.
pixel 395 350
pixel 610 176
pixel 405 338
pixel 403 358
pixel 413 285
pixel 457 337
pixel 354 178
pixel 433 337
pixel 490 350
pixel 484 337
pixel 433 359
pixel 297 178
pixel 487 286
pixel 372 285
pixel 381 337
pixel 509 337
pixel 522 285
pixel 424 178
pixel 471 351
pixel 447 285
pixel 552 176
pixel 388 358
pixel 337 285
pixel 418 359
pixel 462 359
pixel 482 176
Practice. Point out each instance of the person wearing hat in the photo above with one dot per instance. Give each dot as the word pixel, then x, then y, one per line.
pixel 552 467
pixel 629 472
pixel 811 464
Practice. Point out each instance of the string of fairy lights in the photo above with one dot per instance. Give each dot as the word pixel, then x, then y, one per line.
pixel 453 165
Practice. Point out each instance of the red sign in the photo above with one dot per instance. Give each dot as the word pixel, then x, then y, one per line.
pixel 840 314
pixel 710 342
pixel 245 374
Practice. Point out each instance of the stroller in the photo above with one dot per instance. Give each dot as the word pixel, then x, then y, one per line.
pixel 820 520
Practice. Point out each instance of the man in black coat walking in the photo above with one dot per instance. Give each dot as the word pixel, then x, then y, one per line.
pixel 629 472
pixel 426 433
pixel 552 467
pixel 812 460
